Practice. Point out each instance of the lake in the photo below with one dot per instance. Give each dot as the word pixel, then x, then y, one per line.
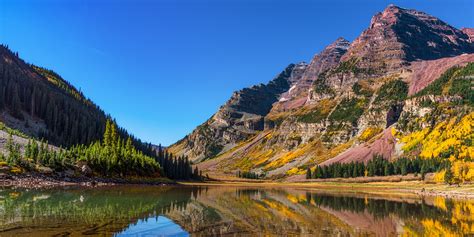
pixel 227 210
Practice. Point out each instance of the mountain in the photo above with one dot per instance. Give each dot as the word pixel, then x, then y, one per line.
pixel 400 89
pixel 48 127
pixel 396 36
pixel 241 117
pixel 40 104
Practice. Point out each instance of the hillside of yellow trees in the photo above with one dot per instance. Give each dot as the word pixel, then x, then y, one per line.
pixel 451 139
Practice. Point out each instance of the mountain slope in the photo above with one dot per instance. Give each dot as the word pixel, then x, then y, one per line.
pixel 39 103
pixel 240 118
pixel 355 100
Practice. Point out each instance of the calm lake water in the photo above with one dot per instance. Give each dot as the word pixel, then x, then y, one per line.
pixel 230 211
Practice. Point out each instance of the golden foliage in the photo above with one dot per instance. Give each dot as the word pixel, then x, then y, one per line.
pixel 439 176
pixel 295 170
pixel 16 170
pixel 462 217
pixel 369 133
pixel 288 157
pixel 463 171
pixel 447 135
pixel 435 228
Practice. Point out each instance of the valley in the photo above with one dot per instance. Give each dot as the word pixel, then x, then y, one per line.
pixel 372 136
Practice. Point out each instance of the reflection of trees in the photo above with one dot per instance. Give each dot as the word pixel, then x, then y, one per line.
pixel 112 208
pixel 450 216
pixel 247 192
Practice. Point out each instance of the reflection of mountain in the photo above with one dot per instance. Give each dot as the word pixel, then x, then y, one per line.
pixel 229 211
pixel 247 211
pixel 291 212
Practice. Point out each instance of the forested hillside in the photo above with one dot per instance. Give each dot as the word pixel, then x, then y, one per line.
pixel 67 132
pixel 41 104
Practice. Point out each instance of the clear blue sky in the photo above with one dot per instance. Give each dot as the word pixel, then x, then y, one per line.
pixel 163 67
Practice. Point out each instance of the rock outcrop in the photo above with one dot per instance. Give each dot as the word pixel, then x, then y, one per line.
pixel 469 32
pixel 240 118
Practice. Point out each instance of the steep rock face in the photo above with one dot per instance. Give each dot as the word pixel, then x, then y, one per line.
pixel 328 58
pixel 297 96
pixel 396 36
pixel 240 118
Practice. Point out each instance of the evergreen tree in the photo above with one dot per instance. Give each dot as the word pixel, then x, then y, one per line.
pixel 196 172
pixel 13 151
pixel 424 168
pixel 448 176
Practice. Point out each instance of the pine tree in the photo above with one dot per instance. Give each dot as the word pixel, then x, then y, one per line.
pixel 196 172
pixel 423 170
pixel 308 173
pixel 128 147
pixel 448 176
pixel 403 167
pixel 13 151
pixel 107 134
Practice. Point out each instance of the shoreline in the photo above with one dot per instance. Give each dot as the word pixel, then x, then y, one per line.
pixel 402 188
pixel 40 181
pixel 412 188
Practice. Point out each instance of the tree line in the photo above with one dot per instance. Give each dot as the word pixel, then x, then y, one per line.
pixel 378 166
pixel 112 156
pixel 177 167
pixel 249 175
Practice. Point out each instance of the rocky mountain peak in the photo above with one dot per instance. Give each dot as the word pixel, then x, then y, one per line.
pixel 340 43
pixel 469 32
pixel 328 58
pixel 303 75
pixel 387 17
pixel 297 72
pixel 397 36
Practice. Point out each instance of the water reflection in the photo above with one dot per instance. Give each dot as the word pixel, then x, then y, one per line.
pixel 154 226
pixel 204 211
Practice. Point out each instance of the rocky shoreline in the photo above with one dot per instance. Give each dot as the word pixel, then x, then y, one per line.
pixel 37 180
